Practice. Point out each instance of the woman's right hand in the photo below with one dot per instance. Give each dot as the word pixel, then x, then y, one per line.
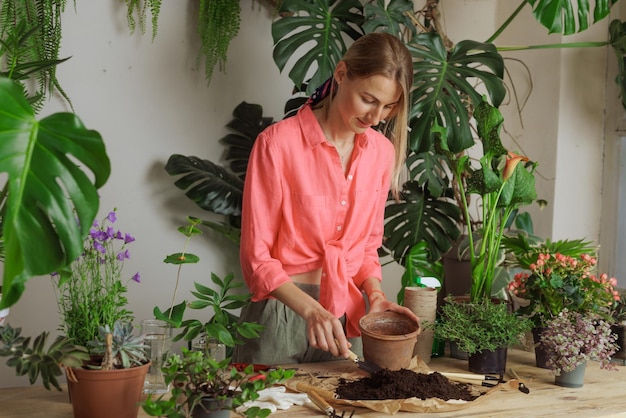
pixel 325 332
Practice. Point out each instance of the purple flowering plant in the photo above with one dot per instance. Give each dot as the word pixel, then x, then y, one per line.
pixel 573 338
pixel 92 293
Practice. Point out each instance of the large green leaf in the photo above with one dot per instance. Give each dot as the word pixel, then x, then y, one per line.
pixel 314 32
pixel 211 186
pixel 617 33
pixel 559 16
pixel 420 217
pixel 443 91
pixel 392 18
pixel 51 201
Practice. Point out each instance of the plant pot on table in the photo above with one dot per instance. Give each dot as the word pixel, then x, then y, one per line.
pixel 213 408
pixel 106 393
pixel 572 379
pixel 488 361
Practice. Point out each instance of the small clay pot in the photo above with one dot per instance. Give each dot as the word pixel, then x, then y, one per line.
pixel 388 339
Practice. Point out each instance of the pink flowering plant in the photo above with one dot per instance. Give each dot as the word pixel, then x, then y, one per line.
pixel 573 338
pixel 557 281
pixel 92 294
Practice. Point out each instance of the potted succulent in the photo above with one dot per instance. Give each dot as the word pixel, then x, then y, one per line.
pixel 205 388
pixel 483 329
pixel 572 339
pixel 98 346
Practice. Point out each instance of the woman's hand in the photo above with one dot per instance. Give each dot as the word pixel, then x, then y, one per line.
pixel 326 333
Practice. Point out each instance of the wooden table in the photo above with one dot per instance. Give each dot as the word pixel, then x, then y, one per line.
pixel 603 395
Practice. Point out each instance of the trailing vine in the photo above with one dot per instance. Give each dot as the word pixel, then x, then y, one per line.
pixel 218 24
pixel 138 8
pixel 19 20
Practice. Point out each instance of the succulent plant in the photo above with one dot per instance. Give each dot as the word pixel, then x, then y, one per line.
pixel 120 348
pixel 35 360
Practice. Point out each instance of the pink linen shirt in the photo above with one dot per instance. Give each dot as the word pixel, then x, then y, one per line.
pixel 302 213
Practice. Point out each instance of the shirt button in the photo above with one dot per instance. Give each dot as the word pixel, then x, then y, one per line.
pixel 339 228
pixel 343 203
pixel 349 176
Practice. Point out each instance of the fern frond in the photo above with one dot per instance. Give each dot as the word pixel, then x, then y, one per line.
pixel 218 24
pixel 138 8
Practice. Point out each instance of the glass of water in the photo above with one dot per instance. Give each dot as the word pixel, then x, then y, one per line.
pixel 157 336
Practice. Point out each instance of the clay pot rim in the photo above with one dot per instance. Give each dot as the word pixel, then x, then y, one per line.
pixel 391 337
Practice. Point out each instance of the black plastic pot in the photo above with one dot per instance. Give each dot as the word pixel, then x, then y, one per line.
pixel 488 362
pixel 541 355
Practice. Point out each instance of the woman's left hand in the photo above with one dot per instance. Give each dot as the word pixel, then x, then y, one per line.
pixel 381 304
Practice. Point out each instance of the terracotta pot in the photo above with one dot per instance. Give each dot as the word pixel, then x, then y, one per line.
pixel 106 393
pixel 388 339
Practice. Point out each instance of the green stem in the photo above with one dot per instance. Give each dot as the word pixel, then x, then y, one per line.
pixel 554 46
pixel 507 22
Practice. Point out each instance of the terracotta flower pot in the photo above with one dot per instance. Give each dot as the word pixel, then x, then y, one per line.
pixel 106 393
pixel 388 339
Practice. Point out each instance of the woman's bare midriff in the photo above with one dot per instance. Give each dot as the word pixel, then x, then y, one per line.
pixel 310 277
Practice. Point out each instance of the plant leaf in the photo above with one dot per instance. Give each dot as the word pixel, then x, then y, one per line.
pixel 52 202
pixel 314 32
pixel 442 91
pixel 558 16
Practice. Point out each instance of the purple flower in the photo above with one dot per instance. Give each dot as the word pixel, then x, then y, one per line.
pixel 111 217
pixel 123 255
pixel 136 278
pixel 128 239
pixel 110 234
pixel 99 247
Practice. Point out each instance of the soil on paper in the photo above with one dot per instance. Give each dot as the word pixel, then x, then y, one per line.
pixel 403 384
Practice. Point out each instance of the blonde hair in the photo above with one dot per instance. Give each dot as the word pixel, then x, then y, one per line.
pixel 381 53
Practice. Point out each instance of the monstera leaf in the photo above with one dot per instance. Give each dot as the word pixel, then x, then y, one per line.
pixel 559 16
pixel 51 201
pixel 314 32
pixel 420 217
pixel 443 91
pixel 390 18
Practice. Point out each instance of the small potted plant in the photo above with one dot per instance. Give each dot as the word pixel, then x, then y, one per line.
pixel 205 388
pixel 572 339
pixel 92 304
pixel 483 329
pixel 555 281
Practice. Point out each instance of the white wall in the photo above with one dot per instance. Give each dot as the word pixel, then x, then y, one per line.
pixel 149 100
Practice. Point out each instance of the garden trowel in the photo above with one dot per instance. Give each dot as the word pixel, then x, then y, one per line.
pixel 366 366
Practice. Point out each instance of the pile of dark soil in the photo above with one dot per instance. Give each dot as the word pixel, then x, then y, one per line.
pixel 403 384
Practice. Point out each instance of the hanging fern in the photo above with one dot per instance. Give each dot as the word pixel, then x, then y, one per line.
pixel 139 7
pixel 44 18
pixel 218 24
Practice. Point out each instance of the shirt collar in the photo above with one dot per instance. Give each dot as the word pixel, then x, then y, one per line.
pixel 312 131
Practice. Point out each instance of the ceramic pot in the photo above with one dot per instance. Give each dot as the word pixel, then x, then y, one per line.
pixel 487 361
pixel 106 393
pixel 541 354
pixel 388 339
pixel 573 379
pixel 212 408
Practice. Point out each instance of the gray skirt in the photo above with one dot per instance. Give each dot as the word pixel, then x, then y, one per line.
pixel 284 339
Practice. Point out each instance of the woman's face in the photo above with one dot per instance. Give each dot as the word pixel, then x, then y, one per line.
pixel 364 102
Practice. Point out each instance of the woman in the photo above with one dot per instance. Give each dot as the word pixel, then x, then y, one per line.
pixel 313 210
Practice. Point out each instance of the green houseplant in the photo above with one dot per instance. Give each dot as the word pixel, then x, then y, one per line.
pixel 573 338
pixel 54 167
pixel 202 384
pixel 98 350
pixel 481 329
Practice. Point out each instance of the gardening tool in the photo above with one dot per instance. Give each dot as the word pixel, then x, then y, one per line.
pixel 473 379
pixel 522 387
pixel 366 366
pixel 325 406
